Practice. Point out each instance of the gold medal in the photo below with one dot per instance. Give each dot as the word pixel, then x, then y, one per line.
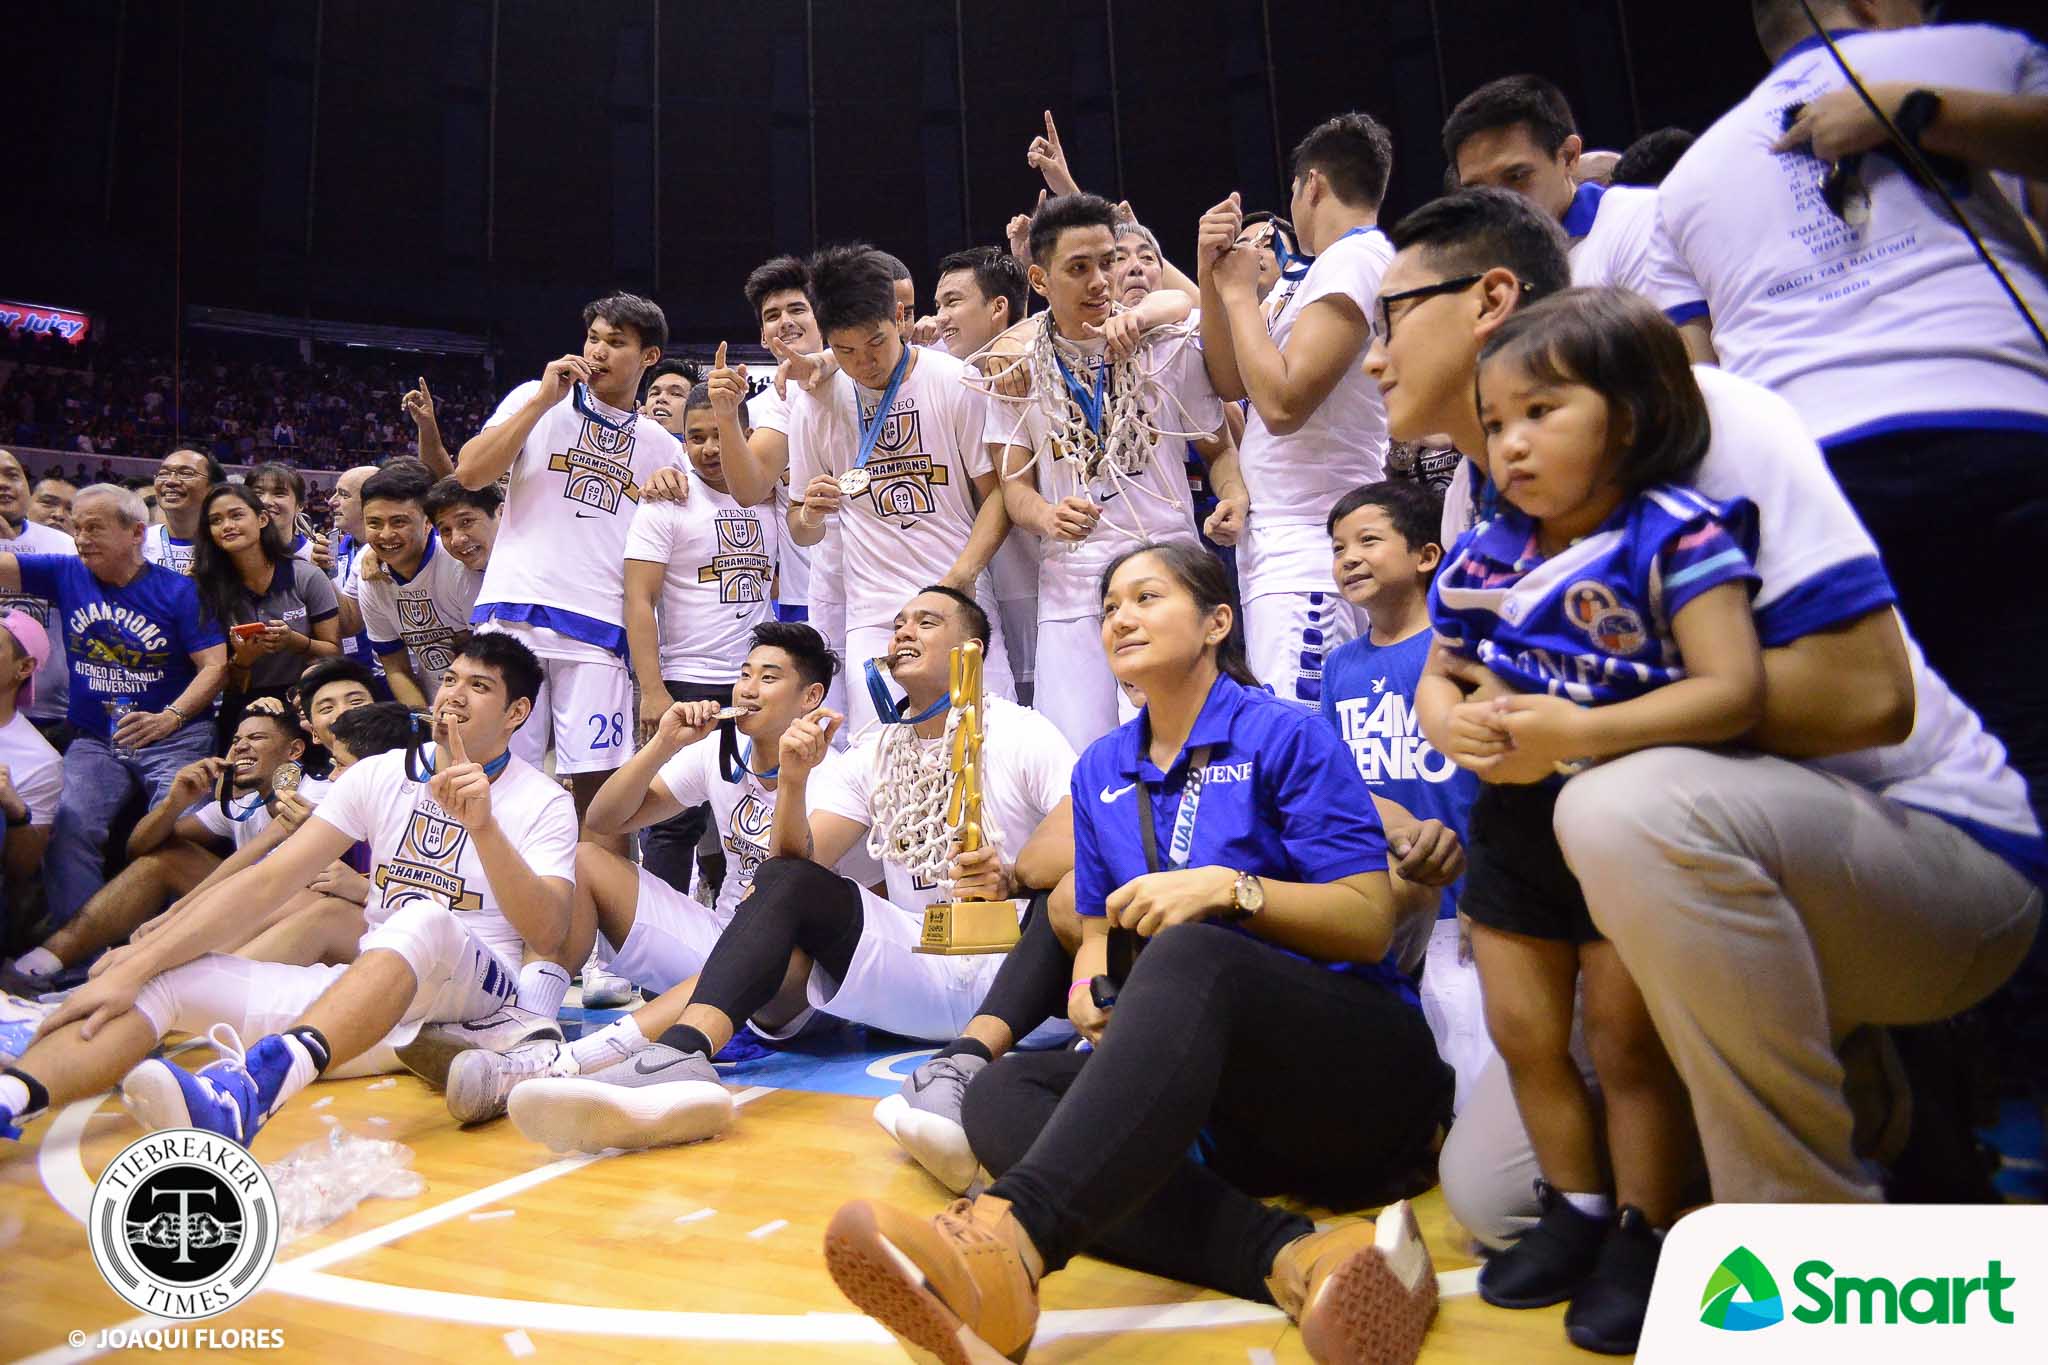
pixel 854 482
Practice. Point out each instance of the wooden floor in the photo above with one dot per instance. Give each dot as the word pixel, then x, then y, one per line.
pixel 512 1252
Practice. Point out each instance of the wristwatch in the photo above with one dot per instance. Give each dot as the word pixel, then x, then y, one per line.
pixel 1247 897
pixel 1917 111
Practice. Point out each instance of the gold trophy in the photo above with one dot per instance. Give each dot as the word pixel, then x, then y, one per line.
pixel 959 927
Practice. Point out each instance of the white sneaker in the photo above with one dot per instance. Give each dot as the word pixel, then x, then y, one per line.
pixel 924 1118
pixel 659 1097
pixel 604 991
pixel 434 1049
pixel 480 1080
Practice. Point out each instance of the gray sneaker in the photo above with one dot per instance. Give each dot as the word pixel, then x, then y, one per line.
pixel 658 1097
pixel 924 1118
pixel 480 1080
pixel 435 1048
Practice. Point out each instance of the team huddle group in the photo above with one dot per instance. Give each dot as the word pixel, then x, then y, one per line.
pixel 1568 835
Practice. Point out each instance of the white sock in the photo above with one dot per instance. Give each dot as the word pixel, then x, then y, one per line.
pixel 1592 1205
pixel 302 1072
pixel 14 1095
pixel 39 962
pixel 616 1041
pixel 541 988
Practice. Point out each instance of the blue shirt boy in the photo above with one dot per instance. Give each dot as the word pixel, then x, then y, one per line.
pixel 135 641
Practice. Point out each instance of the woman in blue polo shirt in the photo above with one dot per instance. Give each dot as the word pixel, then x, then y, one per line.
pixel 1257 1044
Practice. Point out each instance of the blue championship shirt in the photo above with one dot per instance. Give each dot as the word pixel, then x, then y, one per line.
pixel 1591 624
pixel 1280 798
pixel 134 642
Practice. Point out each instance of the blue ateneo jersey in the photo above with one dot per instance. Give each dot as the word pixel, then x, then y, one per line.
pixel 1280 798
pixel 135 641
pixel 1369 697
pixel 1593 623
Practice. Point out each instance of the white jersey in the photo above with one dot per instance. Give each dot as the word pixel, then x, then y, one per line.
pixel 766 411
pixel 1027 767
pixel 1892 325
pixel 34 767
pixel 53 679
pixel 742 811
pixel 1294 479
pixel 426 616
pixel 251 813
pixel 419 852
pixel 718 559
pixel 1621 249
pixel 1153 504
pixel 159 546
pixel 559 559
pixel 908 528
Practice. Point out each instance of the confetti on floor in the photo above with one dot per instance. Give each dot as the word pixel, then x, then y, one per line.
pixel 388 1083
pixel 494 1213
pixel 518 1343
pixel 769 1229
pixel 699 1216
pixel 323 1101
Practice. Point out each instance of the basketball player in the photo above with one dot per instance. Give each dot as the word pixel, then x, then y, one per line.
pixel 417 599
pixel 1316 428
pixel 1092 459
pixel 182 480
pixel 853 950
pixel 890 448
pixel 485 834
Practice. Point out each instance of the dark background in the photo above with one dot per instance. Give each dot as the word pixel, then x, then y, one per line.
pixel 489 165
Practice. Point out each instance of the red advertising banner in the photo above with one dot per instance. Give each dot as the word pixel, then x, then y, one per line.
pixel 38 318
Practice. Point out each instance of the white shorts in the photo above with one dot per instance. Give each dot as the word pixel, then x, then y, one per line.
pixel 1290 634
pixel 872 642
pixel 671 937
pixel 893 988
pixel 1455 1010
pixel 1080 696
pixel 585 705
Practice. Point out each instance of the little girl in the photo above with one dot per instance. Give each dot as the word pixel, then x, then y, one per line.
pixel 1601 608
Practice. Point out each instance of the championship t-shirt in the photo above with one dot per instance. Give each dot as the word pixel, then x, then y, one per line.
pixel 767 411
pixel 418 851
pixel 718 561
pixel 559 560
pixel 131 644
pixel 742 811
pixel 426 615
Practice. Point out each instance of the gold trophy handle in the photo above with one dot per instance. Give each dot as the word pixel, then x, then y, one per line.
pixel 967 926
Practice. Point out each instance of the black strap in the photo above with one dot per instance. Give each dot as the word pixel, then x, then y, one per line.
pixel 1124 943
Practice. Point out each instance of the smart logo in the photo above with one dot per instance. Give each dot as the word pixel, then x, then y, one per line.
pixel 1840 1299
pixel 1761 1304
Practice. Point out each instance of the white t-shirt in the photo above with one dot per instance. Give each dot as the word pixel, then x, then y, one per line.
pixel 743 811
pixel 1295 479
pixel 419 852
pixel 1027 768
pixel 254 809
pixel 719 558
pixel 767 411
pixel 1893 325
pixel 159 546
pixel 427 615
pixel 1622 250
pixel 559 560
pixel 53 679
pixel 907 530
pixel 1152 504
pixel 34 767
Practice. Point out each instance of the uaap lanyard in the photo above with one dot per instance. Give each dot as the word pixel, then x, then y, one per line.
pixel 1089 402
pixel 854 481
pixel 1123 943
pixel 890 711
pixel 419 754
pixel 732 760
pixel 583 407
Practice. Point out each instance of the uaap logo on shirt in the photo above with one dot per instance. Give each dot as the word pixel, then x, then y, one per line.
pixel 599 467
pixel 740 565
pixel 424 867
pixel 423 630
pixel 901 475
pixel 1613 628
pixel 752 819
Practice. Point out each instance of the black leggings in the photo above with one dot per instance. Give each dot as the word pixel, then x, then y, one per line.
pixel 1299 1080
pixel 796 904
pixel 1031 985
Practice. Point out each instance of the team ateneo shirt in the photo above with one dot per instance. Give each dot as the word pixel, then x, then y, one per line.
pixel 53 679
pixel 420 852
pixel 135 641
pixel 742 811
pixel 1593 622
pixel 426 615
pixel 1892 325
pixel 913 521
pixel 719 562
pixel 1026 767
pixel 159 546
pixel 1294 479
pixel 559 560
pixel 1152 504
pixel 1619 247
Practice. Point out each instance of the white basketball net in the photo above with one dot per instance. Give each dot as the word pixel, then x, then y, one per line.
pixel 1131 395
pixel 909 825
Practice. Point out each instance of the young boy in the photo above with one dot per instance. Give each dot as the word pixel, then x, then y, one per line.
pixel 1384 552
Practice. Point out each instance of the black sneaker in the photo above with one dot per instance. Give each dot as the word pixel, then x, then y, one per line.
pixel 1550 1261
pixel 1607 1313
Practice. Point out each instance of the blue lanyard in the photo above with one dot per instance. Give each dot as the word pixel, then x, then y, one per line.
pixel 733 760
pixel 890 711
pixel 582 401
pixel 871 432
pixel 419 762
pixel 1089 403
pixel 247 812
pixel 1182 846
pixel 1293 266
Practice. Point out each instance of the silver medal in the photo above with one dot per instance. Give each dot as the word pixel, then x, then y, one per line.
pixel 854 482
pixel 285 780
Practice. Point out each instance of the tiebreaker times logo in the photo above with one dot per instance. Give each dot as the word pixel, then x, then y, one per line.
pixel 183 1224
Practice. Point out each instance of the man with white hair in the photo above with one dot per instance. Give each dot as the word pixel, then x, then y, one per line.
pixel 145 669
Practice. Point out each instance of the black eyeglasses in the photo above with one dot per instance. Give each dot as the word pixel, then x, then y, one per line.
pixel 1450 286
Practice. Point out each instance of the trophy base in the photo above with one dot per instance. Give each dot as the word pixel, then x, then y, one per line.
pixel 956 928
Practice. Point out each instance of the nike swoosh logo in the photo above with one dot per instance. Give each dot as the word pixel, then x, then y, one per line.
pixel 640 1065
pixel 586 516
pixel 1109 796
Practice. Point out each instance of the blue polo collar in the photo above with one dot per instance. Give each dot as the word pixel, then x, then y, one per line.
pixel 1585 207
pixel 1212 727
pixel 426 558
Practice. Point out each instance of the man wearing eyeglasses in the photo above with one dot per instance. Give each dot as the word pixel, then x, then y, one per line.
pixel 182 481
pixel 1316 428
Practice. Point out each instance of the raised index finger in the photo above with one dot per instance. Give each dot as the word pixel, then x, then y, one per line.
pixel 1052 133
pixel 719 360
pixel 457 753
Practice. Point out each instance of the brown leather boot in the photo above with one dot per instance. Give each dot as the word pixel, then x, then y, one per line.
pixel 956 1287
pixel 1362 1293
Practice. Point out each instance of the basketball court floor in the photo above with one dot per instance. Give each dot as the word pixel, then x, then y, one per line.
pixel 709 1252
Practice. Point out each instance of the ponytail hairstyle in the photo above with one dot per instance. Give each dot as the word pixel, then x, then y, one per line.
pixel 1201 573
